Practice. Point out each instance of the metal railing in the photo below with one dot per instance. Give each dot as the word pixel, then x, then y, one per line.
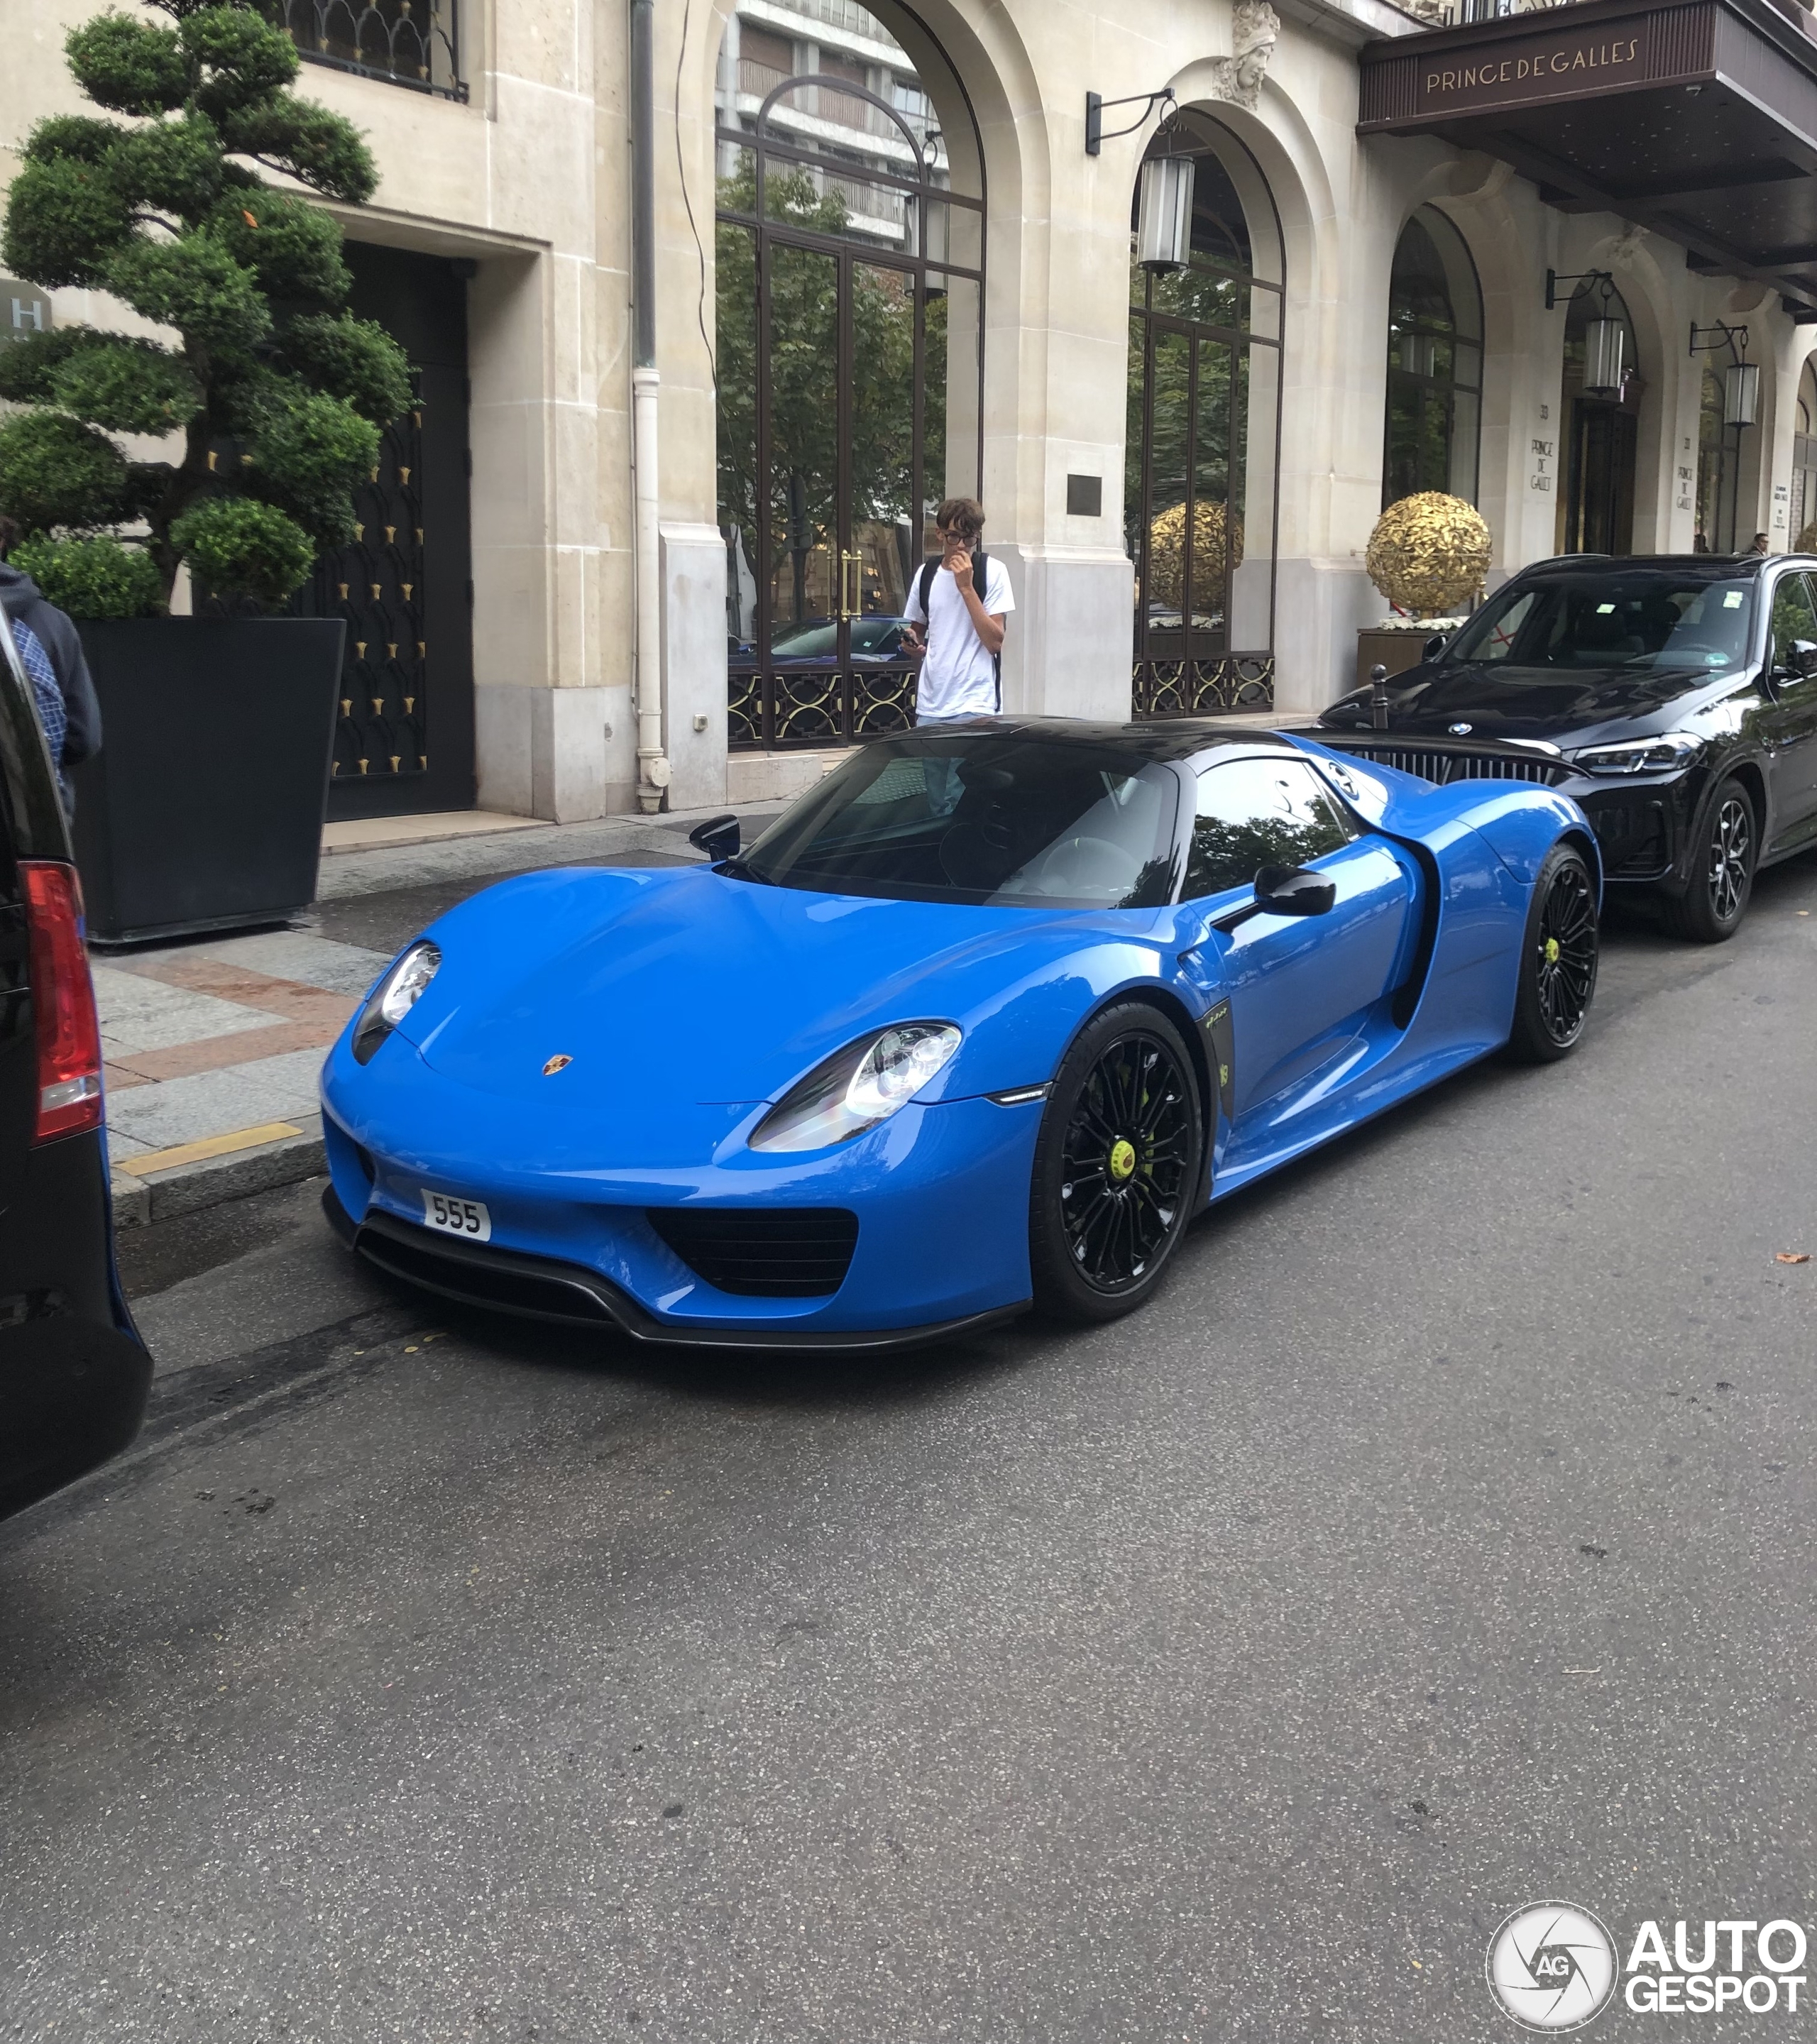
pixel 415 44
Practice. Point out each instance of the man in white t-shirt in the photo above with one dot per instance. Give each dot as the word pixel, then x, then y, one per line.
pixel 957 613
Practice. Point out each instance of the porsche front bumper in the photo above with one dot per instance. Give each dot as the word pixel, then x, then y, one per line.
pixel 939 1193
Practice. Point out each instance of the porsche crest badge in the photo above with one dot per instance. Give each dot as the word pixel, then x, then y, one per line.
pixel 558 1062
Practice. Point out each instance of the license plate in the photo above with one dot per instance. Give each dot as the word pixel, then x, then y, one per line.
pixel 453 1216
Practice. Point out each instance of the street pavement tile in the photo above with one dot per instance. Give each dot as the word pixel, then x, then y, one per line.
pixel 183 1061
pixel 185 1110
pixel 287 997
pixel 293 955
pixel 142 1014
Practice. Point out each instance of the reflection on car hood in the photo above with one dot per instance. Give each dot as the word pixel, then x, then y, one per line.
pixel 664 987
pixel 1579 706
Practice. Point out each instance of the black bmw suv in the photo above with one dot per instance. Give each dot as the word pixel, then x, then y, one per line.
pixel 1674 696
pixel 74 1375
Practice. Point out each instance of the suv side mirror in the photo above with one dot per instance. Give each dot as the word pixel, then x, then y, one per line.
pixel 1291 890
pixel 717 837
pixel 1804 659
pixel 1434 647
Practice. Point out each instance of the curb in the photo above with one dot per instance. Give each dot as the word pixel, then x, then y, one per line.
pixel 138 1202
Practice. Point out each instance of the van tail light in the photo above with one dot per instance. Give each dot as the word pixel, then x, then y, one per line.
pixel 62 1003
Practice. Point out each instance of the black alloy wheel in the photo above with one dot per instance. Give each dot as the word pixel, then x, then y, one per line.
pixel 1721 874
pixel 1559 960
pixel 1116 1166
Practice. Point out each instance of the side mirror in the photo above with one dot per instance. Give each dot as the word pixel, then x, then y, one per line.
pixel 717 837
pixel 1291 890
pixel 1433 647
pixel 1804 659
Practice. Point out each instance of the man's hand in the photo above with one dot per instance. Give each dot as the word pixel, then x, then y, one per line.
pixel 958 560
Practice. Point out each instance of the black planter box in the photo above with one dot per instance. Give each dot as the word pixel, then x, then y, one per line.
pixel 203 810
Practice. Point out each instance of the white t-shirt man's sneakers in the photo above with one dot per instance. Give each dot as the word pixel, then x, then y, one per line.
pixel 958 677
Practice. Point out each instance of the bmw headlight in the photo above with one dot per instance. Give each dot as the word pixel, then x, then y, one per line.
pixel 1641 756
pixel 395 996
pixel 858 1087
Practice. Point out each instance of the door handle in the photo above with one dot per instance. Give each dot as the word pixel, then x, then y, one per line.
pixel 851 598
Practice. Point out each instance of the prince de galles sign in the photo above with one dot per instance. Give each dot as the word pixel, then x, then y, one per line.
pixel 1561 65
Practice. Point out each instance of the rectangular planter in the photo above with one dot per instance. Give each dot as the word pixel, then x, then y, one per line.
pixel 203 810
pixel 1395 650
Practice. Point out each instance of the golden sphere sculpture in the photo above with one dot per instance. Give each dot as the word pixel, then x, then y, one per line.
pixel 1217 547
pixel 1428 554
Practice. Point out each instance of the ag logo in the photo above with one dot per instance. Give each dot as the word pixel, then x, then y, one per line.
pixel 1552 1966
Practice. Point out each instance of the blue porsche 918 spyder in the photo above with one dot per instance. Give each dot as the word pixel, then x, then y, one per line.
pixel 979 1023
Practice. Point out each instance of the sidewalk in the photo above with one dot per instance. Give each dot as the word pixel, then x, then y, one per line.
pixel 213 1045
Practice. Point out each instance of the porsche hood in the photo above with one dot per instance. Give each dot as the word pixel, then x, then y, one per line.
pixel 686 986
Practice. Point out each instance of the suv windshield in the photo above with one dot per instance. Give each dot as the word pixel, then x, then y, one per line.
pixel 1634 619
pixel 981 817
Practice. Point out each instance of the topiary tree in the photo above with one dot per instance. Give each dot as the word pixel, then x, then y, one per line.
pixel 279 395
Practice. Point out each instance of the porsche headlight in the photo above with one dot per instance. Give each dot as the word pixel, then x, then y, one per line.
pixel 858 1087
pixel 395 996
pixel 1641 756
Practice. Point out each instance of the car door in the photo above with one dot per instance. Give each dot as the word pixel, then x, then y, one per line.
pixel 1788 721
pixel 1300 987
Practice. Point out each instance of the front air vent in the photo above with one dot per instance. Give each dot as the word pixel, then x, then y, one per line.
pixel 1445 765
pixel 763 1252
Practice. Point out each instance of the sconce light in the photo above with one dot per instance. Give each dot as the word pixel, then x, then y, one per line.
pixel 1740 380
pixel 1605 347
pixel 1164 221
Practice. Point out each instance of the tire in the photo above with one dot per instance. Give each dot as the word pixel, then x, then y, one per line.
pixel 1710 910
pixel 1558 960
pixel 1117 1166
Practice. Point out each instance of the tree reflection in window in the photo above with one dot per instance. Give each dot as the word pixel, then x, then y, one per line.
pixel 1258 812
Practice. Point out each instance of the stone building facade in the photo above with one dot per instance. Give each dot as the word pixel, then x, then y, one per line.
pixel 889 266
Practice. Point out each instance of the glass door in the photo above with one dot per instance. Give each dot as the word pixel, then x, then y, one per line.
pixel 847 372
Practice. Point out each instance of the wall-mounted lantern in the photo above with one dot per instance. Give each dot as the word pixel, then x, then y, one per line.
pixel 1605 351
pixel 1164 220
pixel 1740 380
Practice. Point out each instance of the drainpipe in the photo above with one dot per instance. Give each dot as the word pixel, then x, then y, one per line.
pixel 653 769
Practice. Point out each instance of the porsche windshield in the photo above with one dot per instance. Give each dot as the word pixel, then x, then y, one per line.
pixel 980 817
pixel 1630 619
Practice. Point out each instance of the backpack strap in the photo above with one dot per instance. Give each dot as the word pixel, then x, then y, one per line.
pixel 925 583
pixel 980 582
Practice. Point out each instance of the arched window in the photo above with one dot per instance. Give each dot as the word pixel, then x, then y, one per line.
pixel 848 361
pixel 1434 362
pixel 1203 454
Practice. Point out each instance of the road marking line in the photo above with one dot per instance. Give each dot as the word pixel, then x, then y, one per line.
pixel 210 1146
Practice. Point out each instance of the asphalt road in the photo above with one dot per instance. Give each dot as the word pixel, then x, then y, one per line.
pixel 1439 1542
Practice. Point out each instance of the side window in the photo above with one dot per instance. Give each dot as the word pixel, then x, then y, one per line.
pixel 1498 641
pixel 1793 618
pixel 1258 812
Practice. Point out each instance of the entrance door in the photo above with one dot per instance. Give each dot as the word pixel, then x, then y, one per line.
pixel 847 363
pixel 1599 499
pixel 841 539
pixel 404 732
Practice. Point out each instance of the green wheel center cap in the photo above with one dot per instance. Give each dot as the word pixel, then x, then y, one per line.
pixel 1122 1159
pixel 1551 951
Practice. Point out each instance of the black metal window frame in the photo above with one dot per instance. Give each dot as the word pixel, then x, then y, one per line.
pixel 1236 680
pixel 389 42
pixel 803 709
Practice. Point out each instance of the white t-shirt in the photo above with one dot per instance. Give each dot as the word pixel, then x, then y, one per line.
pixel 958 677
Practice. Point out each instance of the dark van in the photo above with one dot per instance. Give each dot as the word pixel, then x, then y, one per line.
pixel 74 1374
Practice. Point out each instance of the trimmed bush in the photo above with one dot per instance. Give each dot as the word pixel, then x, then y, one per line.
pixel 155 209
pixel 94 577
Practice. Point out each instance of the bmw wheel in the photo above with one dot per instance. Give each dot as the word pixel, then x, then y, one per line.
pixel 1116 1166
pixel 1558 960
pixel 1722 872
